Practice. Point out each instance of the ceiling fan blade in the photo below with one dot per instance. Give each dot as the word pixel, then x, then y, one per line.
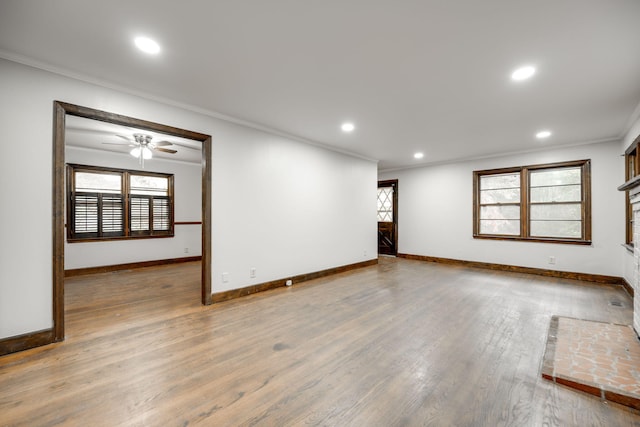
pixel 124 137
pixel 165 150
pixel 186 146
pixel 162 143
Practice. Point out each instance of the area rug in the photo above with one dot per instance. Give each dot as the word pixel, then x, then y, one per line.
pixel 599 358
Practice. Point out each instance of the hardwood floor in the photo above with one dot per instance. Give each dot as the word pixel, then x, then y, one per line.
pixel 403 343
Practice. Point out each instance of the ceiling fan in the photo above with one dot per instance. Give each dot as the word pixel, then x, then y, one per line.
pixel 143 146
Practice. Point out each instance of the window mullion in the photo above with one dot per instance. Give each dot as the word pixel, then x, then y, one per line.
pixel 524 202
pixel 476 204
pixel 71 214
pixel 585 188
pixel 151 225
pixel 99 214
pixel 127 202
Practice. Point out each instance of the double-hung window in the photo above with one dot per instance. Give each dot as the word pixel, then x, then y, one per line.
pixel 108 203
pixel 149 204
pixel 548 203
pixel 632 161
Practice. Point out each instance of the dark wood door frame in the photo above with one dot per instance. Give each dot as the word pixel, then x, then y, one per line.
pixel 60 111
pixel 393 183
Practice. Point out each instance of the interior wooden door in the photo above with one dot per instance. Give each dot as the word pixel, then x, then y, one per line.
pixel 388 217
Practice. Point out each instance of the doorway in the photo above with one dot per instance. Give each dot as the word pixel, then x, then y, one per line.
pixel 388 217
pixel 61 111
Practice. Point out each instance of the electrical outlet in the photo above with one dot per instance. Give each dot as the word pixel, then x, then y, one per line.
pixel 225 277
pixel 552 260
pixel 186 250
pixel 252 272
pixel 365 254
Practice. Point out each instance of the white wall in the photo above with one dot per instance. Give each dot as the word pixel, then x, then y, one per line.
pixel 295 209
pixel 188 207
pixel 280 206
pixel 627 256
pixel 435 215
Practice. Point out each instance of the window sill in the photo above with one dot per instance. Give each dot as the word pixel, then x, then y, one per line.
pixel 538 240
pixel 107 239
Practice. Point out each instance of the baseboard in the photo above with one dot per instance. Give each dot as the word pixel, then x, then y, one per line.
pixel 128 266
pixel 26 341
pixel 597 278
pixel 627 287
pixel 261 287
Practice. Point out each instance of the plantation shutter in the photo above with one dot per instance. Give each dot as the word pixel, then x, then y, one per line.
pixel 150 214
pixel 139 213
pixel 98 214
pixel 85 220
pixel 112 220
pixel 161 214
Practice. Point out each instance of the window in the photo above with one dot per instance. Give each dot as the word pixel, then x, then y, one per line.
pixel 548 203
pixel 385 204
pixel 632 170
pixel 106 203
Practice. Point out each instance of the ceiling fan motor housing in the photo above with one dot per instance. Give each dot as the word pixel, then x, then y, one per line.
pixel 142 139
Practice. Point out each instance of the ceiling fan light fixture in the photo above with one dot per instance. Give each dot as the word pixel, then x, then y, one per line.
pixel 146 153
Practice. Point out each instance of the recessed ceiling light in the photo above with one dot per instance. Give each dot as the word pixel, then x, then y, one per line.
pixel 543 134
pixel 147 45
pixel 418 155
pixel 347 127
pixel 523 73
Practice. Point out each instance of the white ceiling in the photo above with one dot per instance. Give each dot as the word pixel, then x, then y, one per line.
pixel 429 75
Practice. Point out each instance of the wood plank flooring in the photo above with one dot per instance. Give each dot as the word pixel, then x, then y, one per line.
pixel 403 343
